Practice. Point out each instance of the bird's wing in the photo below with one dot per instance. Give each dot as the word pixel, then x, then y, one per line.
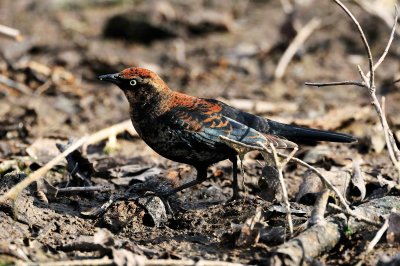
pixel 206 124
pixel 291 132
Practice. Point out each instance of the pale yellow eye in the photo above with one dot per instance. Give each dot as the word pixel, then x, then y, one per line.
pixel 132 82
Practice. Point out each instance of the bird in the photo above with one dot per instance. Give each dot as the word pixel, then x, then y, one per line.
pixel 189 129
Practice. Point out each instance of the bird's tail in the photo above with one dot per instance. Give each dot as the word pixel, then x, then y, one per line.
pixel 297 133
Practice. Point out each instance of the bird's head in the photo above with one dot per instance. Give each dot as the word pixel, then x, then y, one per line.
pixel 137 82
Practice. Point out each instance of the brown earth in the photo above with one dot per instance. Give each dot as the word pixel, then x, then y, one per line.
pixel 218 49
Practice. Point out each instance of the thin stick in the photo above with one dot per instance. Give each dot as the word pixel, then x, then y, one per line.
pixel 10 33
pixel 392 154
pixel 364 39
pixel 82 189
pixel 385 52
pixel 363 76
pixel 353 214
pixel 110 131
pixel 336 83
pixel 378 236
pixel 280 166
pixel 22 88
pixel 300 38
pixel 13 193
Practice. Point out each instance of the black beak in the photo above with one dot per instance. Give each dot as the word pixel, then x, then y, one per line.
pixel 113 78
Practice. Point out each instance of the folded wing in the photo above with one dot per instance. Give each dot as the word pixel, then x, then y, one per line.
pixel 206 124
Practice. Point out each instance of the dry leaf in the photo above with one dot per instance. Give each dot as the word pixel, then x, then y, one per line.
pixel 357 179
pixel 155 209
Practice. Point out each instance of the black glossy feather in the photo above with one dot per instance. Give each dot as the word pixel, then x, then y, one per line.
pixel 290 132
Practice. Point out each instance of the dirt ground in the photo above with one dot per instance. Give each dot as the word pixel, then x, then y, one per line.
pixel 217 49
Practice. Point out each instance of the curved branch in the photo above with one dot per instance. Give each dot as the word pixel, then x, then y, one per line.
pixel 385 52
pixel 365 42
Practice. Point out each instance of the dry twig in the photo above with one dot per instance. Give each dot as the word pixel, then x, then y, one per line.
pixel 300 38
pixel 22 88
pixel 111 131
pixel 82 189
pixel 10 33
pixel 368 82
pixel 280 165
pixel 378 236
pixel 353 214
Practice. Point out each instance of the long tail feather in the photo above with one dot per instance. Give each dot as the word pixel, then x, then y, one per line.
pixel 307 134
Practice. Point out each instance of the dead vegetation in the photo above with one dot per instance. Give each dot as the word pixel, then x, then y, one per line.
pixel 79 188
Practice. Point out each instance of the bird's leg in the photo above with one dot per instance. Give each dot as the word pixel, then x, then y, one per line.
pixel 235 182
pixel 201 176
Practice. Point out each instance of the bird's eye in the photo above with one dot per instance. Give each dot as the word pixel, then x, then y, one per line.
pixel 133 82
